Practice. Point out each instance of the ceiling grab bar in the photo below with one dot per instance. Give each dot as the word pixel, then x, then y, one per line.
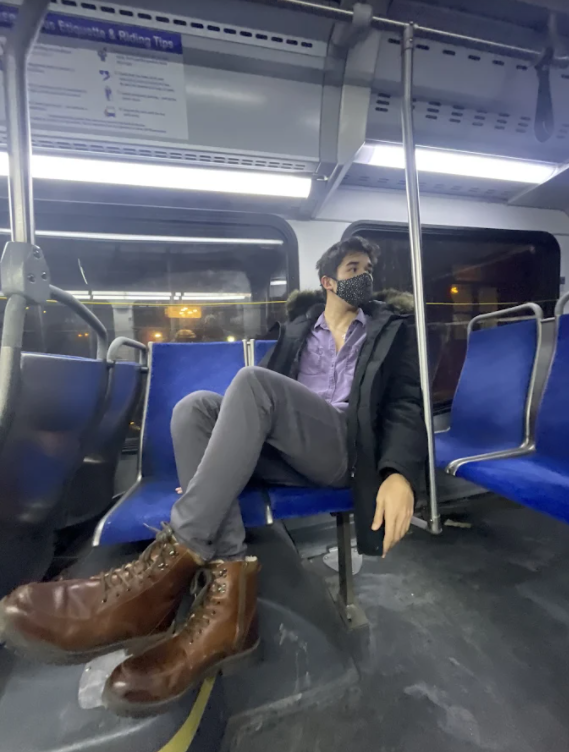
pixel 24 277
pixel 415 241
pixel 390 24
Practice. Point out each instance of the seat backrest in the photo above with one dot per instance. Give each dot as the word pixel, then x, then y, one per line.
pixel 176 370
pixel 91 491
pixel 123 392
pixel 552 429
pixel 489 407
pixel 58 406
pixel 262 347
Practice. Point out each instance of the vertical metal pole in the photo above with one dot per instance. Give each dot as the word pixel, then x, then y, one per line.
pixel 345 571
pixel 18 46
pixel 415 240
pixel 19 43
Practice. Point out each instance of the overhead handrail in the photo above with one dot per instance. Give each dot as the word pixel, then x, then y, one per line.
pixel 504 312
pixel 560 305
pixel 389 24
pixel 119 342
pixel 61 296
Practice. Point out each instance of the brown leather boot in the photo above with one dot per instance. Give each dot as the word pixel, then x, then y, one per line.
pixel 221 633
pixel 73 621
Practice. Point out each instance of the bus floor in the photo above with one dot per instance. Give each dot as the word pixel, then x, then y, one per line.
pixel 466 647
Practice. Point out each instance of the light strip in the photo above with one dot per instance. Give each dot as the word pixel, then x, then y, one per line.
pixel 107 172
pixel 447 162
pixel 276 282
pixel 156 296
pixel 215 296
pixel 118 238
pixel 154 238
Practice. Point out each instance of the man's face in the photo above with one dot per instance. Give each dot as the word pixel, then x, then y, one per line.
pixel 352 265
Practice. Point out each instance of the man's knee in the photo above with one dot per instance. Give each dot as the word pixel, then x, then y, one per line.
pixel 201 401
pixel 251 377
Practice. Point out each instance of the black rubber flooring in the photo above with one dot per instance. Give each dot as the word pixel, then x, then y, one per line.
pixel 467 647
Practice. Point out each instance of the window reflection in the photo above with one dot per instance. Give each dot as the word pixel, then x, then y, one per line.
pixel 156 292
pixel 466 273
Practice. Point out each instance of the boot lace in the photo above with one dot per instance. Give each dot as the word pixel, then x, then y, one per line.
pixel 206 587
pixel 158 555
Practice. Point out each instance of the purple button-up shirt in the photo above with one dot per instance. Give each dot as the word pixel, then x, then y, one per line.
pixel 328 373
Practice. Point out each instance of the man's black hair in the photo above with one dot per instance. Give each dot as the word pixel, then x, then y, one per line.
pixel 327 265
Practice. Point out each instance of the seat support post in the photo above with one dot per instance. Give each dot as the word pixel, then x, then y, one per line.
pixel 350 611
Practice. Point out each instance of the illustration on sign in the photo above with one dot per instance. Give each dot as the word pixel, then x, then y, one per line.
pixel 101 88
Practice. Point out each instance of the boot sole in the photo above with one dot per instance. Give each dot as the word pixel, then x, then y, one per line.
pixel 227 666
pixel 42 652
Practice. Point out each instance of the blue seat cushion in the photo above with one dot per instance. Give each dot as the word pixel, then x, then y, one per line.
pixel 535 481
pixel 288 501
pixel 150 502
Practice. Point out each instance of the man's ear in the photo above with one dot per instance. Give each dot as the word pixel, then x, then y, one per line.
pixel 327 283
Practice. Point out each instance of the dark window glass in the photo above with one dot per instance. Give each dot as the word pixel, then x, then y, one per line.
pixel 467 272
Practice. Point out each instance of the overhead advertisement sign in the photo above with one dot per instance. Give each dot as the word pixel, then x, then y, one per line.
pixel 122 80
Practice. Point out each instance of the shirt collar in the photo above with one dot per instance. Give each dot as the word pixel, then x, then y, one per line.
pixel 321 322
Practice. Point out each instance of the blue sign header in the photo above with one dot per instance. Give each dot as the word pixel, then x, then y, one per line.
pixel 77 27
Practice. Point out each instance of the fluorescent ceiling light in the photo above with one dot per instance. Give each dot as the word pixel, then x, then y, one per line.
pixel 447 162
pixel 215 296
pixel 153 238
pixel 107 172
pixel 118 238
pixel 275 282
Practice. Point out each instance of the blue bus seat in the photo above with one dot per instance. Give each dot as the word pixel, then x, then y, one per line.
pixel 488 412
pixel 58 406
pixel 92 488
pixel 288 502
pixel 149 503
pixel 539 480
pixel 176 370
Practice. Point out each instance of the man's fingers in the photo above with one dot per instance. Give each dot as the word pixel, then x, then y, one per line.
pixel 389 532
pixel 378 517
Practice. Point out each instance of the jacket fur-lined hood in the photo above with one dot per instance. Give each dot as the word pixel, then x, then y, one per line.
pixel 301 301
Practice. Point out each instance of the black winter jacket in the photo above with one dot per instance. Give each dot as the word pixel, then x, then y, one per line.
pixel 386 430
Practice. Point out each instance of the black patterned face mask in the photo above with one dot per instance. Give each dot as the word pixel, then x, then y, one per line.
pixel 357 290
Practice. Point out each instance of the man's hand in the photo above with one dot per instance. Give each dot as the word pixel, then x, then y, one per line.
pixel 394 506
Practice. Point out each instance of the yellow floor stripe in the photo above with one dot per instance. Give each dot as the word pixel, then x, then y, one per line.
pixel 182 739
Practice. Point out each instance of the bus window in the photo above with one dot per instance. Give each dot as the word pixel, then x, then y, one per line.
pixel 467 272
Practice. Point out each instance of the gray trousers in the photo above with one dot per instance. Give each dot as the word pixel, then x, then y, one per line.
pixel 267 426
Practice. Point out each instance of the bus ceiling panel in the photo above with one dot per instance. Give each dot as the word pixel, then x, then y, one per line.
pixel 469 100
pixel 553 194
pixel 239 13
pixel 255 103
pixel 226 21
pixel 505 21
pixel 383 178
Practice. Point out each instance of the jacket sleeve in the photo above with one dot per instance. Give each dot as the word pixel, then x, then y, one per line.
pixel 403 447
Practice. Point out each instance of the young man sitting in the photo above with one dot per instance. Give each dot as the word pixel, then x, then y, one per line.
pixel 337 403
